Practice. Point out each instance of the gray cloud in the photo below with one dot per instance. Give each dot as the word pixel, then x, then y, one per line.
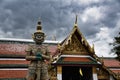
pixel 19 17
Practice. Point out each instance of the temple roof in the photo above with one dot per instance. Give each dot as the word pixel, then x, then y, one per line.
pixel 13 74
pixel 17 48
pixel 116 71
pixel 111 63
pixel 13 63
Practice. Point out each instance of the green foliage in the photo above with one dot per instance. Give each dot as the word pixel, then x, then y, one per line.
pixel 116 46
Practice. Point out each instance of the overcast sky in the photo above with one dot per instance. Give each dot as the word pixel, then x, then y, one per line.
pixel 98 20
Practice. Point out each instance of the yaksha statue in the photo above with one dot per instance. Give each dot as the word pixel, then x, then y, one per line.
pixel 38 55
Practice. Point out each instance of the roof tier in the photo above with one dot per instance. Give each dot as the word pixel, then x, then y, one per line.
pixel 13 73
pixel 76 60
pixel 19 50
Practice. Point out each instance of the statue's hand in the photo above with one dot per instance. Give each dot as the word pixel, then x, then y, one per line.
pixel 39 56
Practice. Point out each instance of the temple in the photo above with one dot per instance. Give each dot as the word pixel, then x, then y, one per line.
pixel 72 59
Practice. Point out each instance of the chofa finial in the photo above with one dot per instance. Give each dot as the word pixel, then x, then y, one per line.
pixel 76 21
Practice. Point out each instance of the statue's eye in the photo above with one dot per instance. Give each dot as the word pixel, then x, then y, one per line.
pixel 38 37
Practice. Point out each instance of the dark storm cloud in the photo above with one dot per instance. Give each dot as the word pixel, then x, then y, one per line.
pixel 112 10
pixel 20 17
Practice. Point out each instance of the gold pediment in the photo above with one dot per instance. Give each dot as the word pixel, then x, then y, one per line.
pixel 74 46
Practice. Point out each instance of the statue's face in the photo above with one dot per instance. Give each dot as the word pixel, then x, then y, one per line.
pixel 39 37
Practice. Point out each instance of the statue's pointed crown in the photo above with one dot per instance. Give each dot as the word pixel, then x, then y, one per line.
pixel 39 27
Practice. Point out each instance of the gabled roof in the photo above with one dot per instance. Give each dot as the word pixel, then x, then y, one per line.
pixel 76 43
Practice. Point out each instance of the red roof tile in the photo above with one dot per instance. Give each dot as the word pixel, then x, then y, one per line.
pixel 77 59
pixel 116 71
pixel 19 49
pixel 13 49
pixel 13 73
pixel 14 62
pixel 52 49
pixel 111 63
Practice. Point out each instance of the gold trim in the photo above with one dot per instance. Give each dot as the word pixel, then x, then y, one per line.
pixel 59 69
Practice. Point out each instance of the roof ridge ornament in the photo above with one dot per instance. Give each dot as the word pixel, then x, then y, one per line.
pixel 93 50
pixel 76 21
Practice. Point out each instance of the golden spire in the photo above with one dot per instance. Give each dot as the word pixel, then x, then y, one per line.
pixel 76 21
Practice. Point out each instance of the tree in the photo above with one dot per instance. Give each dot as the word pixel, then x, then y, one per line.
pixel 116 46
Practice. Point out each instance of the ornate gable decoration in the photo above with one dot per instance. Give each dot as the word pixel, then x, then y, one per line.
pixel 75 43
